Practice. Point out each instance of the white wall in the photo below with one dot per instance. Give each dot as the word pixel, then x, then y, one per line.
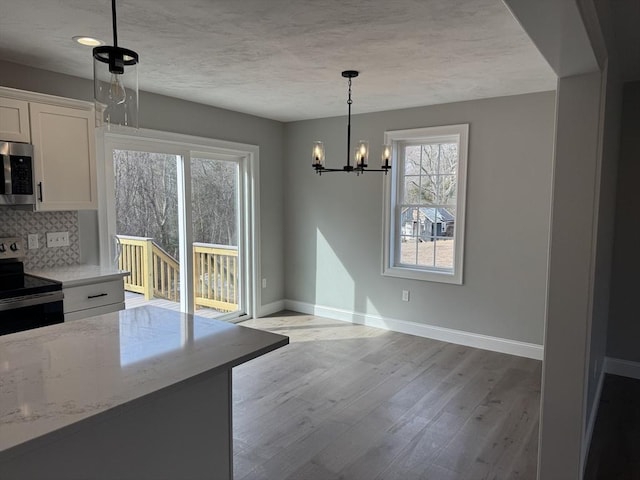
pixel 572 35
pixel 173 115
pixel 333 227
pixel 571 273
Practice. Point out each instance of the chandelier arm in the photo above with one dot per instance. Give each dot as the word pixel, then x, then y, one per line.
pixel 113 19
pixel 358 170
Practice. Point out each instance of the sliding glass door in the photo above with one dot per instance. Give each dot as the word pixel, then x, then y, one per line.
pixel 147 227
pixel 178 219
pixel 216 228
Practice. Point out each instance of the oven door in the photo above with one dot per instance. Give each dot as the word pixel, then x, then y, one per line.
pixel 30 311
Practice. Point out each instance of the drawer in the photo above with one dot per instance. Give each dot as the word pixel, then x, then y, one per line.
pixel 93 295
pixel 82 314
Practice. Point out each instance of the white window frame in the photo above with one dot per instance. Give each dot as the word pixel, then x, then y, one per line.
pixel 392 186
pixel 185 146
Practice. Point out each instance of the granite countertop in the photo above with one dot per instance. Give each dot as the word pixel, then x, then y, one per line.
pixel 56 376
pixel 75 275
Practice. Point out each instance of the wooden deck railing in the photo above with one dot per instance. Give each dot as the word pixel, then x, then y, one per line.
pixel 156 274
pixel 215 274
pixel 135 257
pixel 166 274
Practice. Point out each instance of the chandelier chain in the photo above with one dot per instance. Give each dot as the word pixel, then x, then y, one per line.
pixel 349 102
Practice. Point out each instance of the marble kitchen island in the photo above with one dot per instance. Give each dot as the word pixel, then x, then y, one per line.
pixel 137 394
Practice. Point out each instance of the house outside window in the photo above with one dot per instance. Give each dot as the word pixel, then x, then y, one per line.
pixel 425 204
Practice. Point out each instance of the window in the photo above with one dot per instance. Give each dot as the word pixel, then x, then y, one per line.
pixel 424 204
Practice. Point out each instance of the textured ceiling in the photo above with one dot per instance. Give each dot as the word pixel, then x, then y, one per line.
pixel 282 59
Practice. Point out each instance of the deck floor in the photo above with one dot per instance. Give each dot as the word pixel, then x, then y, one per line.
pixel 133 300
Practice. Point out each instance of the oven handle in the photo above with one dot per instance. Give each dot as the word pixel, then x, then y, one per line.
pixel 29 300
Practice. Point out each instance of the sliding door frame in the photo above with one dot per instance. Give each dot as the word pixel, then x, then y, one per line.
pixel 186 146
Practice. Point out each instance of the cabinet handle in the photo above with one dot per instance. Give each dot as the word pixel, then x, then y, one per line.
pixel 98 295
pixel 40 190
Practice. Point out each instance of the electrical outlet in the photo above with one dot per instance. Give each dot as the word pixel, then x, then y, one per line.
pixel 57 239
pixel 264 283
pixel 405 295
pixel 32 241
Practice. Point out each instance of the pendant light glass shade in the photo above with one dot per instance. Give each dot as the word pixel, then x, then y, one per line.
pixel 317 155
pixel 362 154
pixel 386 156
pixel 115 81
pixel 115 85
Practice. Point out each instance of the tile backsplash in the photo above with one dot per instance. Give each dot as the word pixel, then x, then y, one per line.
pixel 21 223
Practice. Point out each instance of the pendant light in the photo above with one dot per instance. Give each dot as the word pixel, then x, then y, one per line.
pixel 115 81
pixel 361 154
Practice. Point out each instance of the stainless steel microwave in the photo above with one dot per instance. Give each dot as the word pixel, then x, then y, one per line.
pixel 17 182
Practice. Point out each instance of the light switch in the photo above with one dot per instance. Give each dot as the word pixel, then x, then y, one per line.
pixel 32 241
pixel 57 239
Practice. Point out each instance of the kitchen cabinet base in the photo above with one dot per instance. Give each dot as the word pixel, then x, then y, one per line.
pixel 183 431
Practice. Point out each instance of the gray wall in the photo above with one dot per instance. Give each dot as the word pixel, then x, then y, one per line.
pixel 334 222
pixel 173 115
pixel 624 328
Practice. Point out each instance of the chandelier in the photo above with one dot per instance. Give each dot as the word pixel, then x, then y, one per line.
pixel 361 154
pixel 115 80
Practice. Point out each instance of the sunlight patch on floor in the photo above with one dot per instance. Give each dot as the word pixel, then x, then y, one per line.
pixel 305 328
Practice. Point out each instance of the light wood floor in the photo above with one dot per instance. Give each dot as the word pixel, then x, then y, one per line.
pixel 352 402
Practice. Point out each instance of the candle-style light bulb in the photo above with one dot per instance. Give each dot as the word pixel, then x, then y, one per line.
pixel 386 156
pixel 317 155
pixel 362 153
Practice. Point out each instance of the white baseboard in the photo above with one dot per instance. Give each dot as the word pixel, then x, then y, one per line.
pixel 271 308
pixel 591 422
pixel 624 368
pixel 496 344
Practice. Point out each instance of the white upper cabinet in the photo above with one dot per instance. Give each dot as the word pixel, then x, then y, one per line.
pixel 14 120
pixel 64 150
pixel 62 132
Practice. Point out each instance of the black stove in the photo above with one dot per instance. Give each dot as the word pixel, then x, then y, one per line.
pixel 14 282
pixel 25 301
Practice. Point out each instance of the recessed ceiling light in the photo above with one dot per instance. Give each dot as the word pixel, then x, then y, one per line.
pixel 87 41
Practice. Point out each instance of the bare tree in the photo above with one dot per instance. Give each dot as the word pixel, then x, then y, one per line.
pixel 430 173
pixel 147 198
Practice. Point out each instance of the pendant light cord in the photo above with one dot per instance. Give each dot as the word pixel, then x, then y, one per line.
pixel 115 27
pixel 349 102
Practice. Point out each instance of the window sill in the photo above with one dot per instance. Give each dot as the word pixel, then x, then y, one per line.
pixel 454 278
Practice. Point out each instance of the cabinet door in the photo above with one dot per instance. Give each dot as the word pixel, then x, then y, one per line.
pixel 64 150
pixel 14 120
